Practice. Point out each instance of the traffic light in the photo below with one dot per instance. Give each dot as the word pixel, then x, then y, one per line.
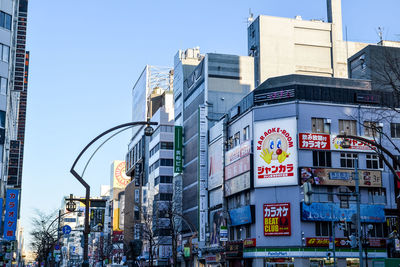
pixel 307 189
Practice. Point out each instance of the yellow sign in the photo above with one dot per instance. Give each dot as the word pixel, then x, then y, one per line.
pixel 116 220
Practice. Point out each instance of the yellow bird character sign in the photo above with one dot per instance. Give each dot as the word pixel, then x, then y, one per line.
pixel 275 148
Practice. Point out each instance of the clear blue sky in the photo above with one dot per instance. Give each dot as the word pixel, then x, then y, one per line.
pixel 86 56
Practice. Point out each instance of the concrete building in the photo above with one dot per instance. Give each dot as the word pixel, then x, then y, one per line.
pixel 205 93
pixel 283 134
pixel 378 63
pixel 282 46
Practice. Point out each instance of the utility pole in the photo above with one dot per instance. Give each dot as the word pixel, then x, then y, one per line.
pixel 356 178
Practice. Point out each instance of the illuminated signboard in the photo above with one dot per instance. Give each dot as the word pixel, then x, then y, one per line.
pixel 275 152
pixel 10 220
pixel 277 219
pixel 336 144
pixel 178 163
pixel 314 141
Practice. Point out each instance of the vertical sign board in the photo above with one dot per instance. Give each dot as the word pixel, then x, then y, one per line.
pixel 275 152
pixel 203 175
pixel 276 219
pixel 178 164
pixel 10 220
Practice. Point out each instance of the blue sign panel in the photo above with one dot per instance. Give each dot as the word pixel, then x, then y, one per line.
pixel 10 220
pixel 332 211
pixel 66 229
pixel 241 216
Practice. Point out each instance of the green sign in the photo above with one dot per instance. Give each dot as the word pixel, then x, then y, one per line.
pixel 186 252
pixel 178 163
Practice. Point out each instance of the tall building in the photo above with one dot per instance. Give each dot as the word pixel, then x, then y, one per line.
pixel 282 46
pixel 209 90
pixel 14 63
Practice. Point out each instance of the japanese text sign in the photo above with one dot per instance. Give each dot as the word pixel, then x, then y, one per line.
pixel 354 145
pixel 314 141
pixel 10 221
pixel 178 163
pixel 276 219
pixel 275 152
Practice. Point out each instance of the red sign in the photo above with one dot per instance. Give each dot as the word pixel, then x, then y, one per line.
pixel 237 168
pixel 277 219
pixel 117 236
pixel 250 242
pixel 354 145
pixel 314 141
pixel 341 242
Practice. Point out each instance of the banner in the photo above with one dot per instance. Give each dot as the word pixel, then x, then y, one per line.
pixel 342 242
pixel 277 219
pixel 97 219
pixel 275 152
pixel 10 220
pixel 314 141
pixel 215 170
pixel 327 212
pixel 335 177
pixel 178 163
pixel 120 179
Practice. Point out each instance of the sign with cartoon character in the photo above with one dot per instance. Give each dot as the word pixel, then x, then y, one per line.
pixel 275 152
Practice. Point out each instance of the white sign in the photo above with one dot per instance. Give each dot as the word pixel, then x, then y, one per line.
pixel 203 175
pixel 215 168
pixel 275 152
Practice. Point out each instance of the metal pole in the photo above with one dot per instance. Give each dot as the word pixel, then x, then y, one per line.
pixel 356 178
pixel 333 237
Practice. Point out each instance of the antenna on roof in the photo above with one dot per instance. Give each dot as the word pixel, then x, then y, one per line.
pixel 380 34
pixel 250 19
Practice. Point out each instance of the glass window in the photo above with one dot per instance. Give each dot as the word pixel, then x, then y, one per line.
pixel 236 138
pixel 347 160
pixel 320 125
pixel 2 19
pixel 378 230
pixel 323 194
pixel 8 22
pixel 322 159
pixel 246 133
pixel 3 86
pixel 322 228
pixel 373 161
pixel 377 195
pixel 348 127
pixel 395 130
pixel 372 129
pixel 167 145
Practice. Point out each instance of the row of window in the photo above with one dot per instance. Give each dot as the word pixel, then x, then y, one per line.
pixel 347 160
pixel 161 145
pixel 163 180
pixel 375 195
pixel 3 85
pixel 5 20
pixel 163 197
pixel 163 129
pixel 160 162
pixel 135 154
pixel 4 52
pixel 377 230
pixel 234 140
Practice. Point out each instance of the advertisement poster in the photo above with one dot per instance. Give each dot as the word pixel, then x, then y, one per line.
pixel 237 168
pixel 277 219
pixel 178 163
pixel 335 177
pixel 275 152
pixel 10 220
pixel 97 219
pixel 215 170
pixel 217 221
pixel 336 144
pixel 314 141
pixel 237 152
pixel 120 179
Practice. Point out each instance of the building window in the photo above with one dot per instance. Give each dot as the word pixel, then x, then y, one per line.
pixel 320 125
pixel 5 20
pixel 248 231
pixel 163 180
pixel 4 52
pixel 347 160
pixel 395 130
pixel 372 129
pixel 2 119
pixel 246 133
pixel 322 229
pixel 377 195
pixel 324 194
pixel 396 166
pixel 378 230
pixel 230 142
pixel 348 127
pixel 3 86
pixel 373 161
pixel 236 139
pixel 322 159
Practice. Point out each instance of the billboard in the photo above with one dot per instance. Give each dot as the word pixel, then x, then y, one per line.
pixel 215 170
pixel 327 212
pixel 119 177
pixel 217 221
pixel 275 152
pixel 178 145
pixel 237 184
pixel 238 167
pixel 335 177
pixel 242 215
pixel 314 141
pixel 277 219
pixel 10 220
pixel 97 219
pixel 237 152
pixel 354 145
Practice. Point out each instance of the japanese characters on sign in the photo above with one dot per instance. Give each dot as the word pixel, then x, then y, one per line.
pixel 237 168
pixel 178 163
pixel 335 177
pixel 314 141
pixel 237 152
pixel 275 152
pixel 276 219
pixel 342 242
pixel 354 145
pixel 10 220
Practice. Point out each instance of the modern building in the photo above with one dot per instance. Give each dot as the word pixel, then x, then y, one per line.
pixel 378 63
pixel 282 46
pixel 284 133
pixel 14 64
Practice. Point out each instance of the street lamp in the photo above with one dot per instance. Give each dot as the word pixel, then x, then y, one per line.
pixel 148 130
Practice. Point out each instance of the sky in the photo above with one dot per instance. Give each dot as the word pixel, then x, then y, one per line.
pixel 85 57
